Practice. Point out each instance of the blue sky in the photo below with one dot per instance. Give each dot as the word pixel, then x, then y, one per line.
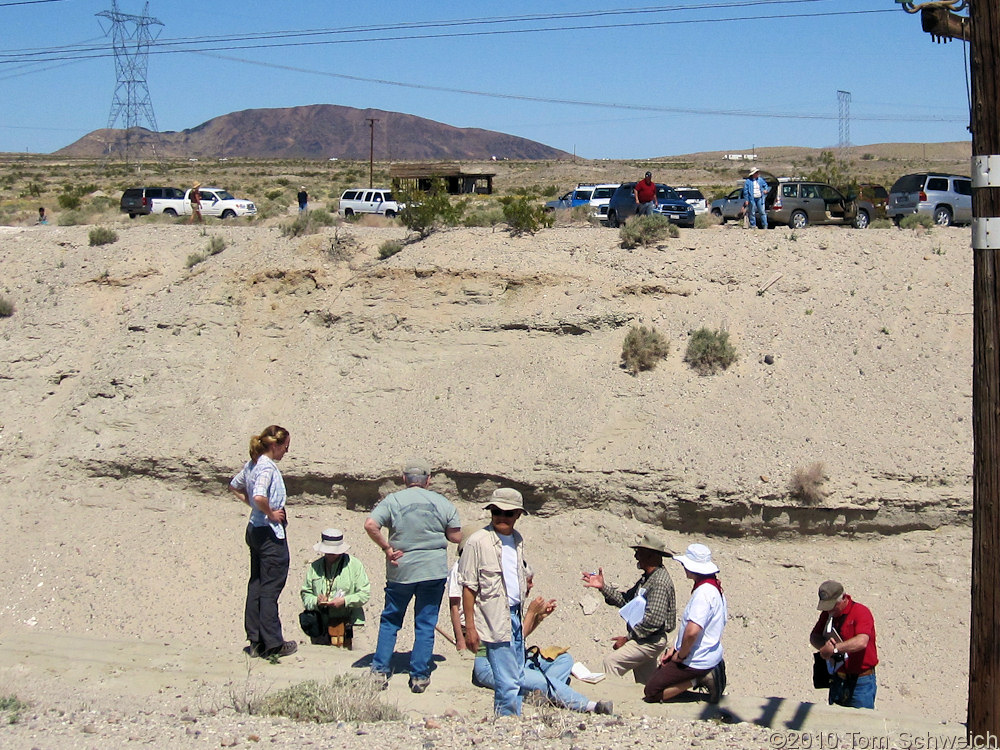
pixel 649 81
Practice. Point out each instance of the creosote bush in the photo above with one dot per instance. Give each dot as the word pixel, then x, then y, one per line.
pixel 806 483
pixel 643 348
pixel 102 236
pixel 523 216
pixel 646 231
pixel 308 222
pixel 342 698
pixel 389 248
pixel 425 212
pixel 709 351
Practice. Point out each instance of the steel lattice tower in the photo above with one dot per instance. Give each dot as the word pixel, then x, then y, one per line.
pixel 131 107
pixel 844 118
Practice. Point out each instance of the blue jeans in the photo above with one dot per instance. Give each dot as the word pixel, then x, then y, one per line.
pixel 507 662
pixel 427 602
pixel 755 208
pixel 645 209
pixel 863 696
pixel 552 680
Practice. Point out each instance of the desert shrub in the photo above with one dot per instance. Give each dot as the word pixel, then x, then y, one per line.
pixel 102 236
pixel 704 221
pixel 342 698
pixel 646 231
pixel 880 224
pixel 916 220
pixel 215 245
pixel 273 195
pixel 643 348
pixel 33 189
pixel 483 216
pixel 70 219
pixel 194 259
pixel 104 203
pixel 389 248
pixel 806 483
pixel 69 201
pixel 424 212
pixel 709 351
pixel 11 707
pixel 524 217
pixel 6 307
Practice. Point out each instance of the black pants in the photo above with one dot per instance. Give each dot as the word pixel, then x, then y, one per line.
pixel 268 573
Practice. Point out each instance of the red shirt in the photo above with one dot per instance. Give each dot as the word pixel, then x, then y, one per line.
pixel 856 618
pixel 645 190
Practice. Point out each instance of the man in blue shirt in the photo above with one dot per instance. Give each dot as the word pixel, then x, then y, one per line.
pixel 755 190
pixel 420 524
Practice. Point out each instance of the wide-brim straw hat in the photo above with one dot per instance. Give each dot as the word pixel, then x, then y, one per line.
pixel 651 542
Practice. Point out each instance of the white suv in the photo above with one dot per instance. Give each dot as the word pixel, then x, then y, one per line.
pixel 369 201
pixel 600 198
pixel 695 199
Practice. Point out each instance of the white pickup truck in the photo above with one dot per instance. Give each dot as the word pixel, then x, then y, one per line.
pixel 214 202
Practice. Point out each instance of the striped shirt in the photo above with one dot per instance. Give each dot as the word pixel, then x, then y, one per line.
pixel 262 478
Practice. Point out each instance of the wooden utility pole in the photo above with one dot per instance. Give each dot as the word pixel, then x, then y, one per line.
pixel 984 641
pixel 371 152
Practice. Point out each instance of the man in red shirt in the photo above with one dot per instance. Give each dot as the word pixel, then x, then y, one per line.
pixel 645 195
pixel 844 635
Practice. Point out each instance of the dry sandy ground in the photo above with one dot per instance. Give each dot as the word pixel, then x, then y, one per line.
pixel 132 385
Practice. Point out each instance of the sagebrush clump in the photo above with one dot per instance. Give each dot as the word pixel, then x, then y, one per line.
pixel 342 698
pixel 806 483
pixel 524 217
pixel 646 231
pixel 643 348
pixel 102 236
pixel 916 220
pixel 389 248
pixel 709 351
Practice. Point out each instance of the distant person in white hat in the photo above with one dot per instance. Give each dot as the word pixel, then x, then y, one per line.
pixel 420 524
pixel 755 190
pixel 654 594
pixel 334 593
pixel 695 660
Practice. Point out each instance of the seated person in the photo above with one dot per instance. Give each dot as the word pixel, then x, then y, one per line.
pixel 336 588
pixel 550 678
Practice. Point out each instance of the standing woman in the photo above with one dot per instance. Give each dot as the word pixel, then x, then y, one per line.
pixel 261 487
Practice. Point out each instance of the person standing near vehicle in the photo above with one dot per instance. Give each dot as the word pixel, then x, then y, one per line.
pixel 194 196
pixel 755 190
pixel 260 485
pixel 645 195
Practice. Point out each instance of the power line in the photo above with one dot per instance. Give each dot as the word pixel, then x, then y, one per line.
pixel 227 43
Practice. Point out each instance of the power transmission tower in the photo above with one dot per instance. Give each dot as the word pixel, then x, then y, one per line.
pixel 844 119
pixel 131 107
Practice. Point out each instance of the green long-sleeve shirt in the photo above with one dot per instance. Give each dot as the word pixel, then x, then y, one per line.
pixel 352 580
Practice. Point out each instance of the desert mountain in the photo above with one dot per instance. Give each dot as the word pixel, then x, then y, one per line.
pixel 321 131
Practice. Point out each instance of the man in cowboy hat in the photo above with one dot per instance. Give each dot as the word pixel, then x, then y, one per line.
pixel 695 659
pixel 336 588
pixel 647 637
pixel 754 194
pixel 194 196
pixel 844 635
pixel 420 524
pixel 494 582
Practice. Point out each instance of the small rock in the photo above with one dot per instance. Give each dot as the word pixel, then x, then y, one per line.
pixel 768 359
pixel 229 741
pixel 90 729
pixel 451 713
pixel 431 724
pixel 765 478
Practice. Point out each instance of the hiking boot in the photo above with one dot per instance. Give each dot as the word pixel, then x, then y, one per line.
pixel 285 649
pixel 715 683
pixel 604 707
pixel 254 650
pixel 419 684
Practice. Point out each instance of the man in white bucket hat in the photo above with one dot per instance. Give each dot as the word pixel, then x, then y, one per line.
pixel 695 660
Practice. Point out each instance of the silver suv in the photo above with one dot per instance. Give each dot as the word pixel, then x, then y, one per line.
pixel 947 198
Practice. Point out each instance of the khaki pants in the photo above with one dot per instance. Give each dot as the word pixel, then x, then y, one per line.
pixel 639 657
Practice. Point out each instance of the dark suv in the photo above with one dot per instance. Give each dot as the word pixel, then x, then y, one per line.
pixel 139 201
pixel 670 205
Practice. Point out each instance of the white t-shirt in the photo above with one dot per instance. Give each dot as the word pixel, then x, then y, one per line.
pixel 508 563
pixel 706 607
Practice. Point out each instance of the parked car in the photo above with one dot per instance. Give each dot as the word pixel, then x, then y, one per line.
pixel 798 203
pixel 877 195
pixel 695 197
pixel 947 198
pixel 671 205
pixel 140 201
pixel 369 201
pixel 600 199
pixel 730 207
pixel 214 202
pixel 579 195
